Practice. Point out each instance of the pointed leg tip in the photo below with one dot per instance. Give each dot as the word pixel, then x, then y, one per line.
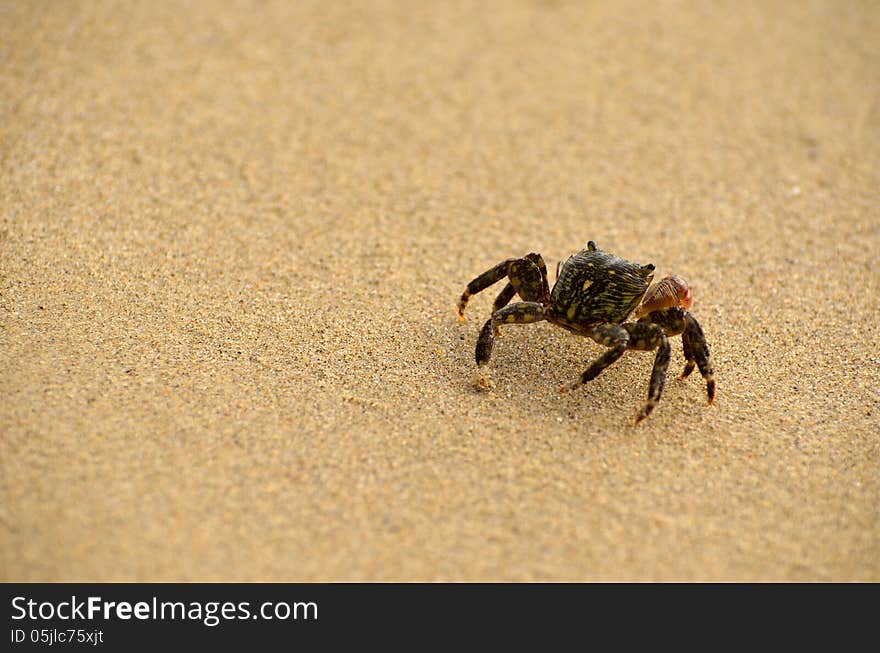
pixel 641 417
pixel 462 318
pixel 643 413
pixel 482 381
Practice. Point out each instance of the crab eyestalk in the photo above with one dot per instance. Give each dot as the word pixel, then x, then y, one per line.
pixel 669 292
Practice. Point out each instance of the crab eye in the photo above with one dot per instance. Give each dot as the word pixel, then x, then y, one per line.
pixel 591 246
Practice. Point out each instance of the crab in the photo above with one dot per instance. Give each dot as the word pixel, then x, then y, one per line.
pixel 594 295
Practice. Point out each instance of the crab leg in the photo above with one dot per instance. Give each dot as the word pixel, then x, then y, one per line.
pixel 645 337
pixel 528 278
pixel 642 336
pixel 696 352
pixel 524 281
pixel 695 341
pixel 519 313
pixel 610 335
pixel 489 277
pixel 503 299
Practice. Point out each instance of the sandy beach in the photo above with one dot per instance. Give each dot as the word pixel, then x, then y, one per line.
pixel 233 238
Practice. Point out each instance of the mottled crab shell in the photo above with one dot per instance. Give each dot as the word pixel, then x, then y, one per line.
pixel 666 293
pixel 595 286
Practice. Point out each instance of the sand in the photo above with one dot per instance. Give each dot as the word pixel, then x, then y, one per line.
pixel 233 239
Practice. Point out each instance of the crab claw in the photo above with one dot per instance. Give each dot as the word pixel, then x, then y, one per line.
pixel 669 292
